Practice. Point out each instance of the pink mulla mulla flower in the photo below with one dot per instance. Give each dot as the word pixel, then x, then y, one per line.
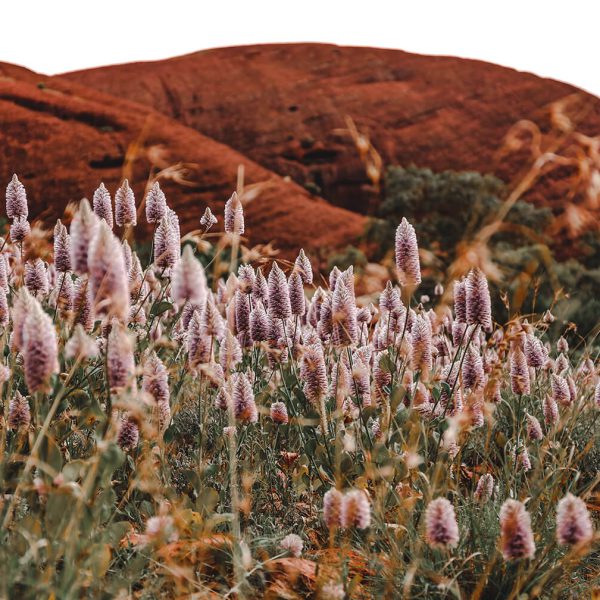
pixel 259 324
pixel 4 309
pixel 304 268
pixel 573 522
pixel 242 397
pixel 314 309
pixel 197 342
pixel 108 281
pixel 62 248
pixel 127 255
pixel 597 395
pixel 129 434
pixel 212 322
pixel 293 544
pixel 478 302
pixel 65 293
pixel 16 199
pixel 560 390
pixel 534 429
pixel 260 289
pixel 572 389
pixel 172 215
pixel 230 352
pixel 472 369
pixel 407 255
pixel 19 229
pixel 246 278
pixel 156 204
pixel 102 205
pixel 333 277
pixel 516 536
pixel 325 324
pixel 361 386
pixel 119 357
pixel 296 291
pixel 82 304
pixel 155 382
pixel 19 414
pixel 4 269
pixel 485 488
pixel 535 352
pixel 460 300
pixel 550 410
pixel 166 245
pixel 381 376
pixel 421 357
pixel 364 315
pixel 279 413
pixel 332 508
pixel 234 215
pixel 80 345
pixel 39 348
pixel 313 373
pixel 521 455
pixel 441 528
pixel 562 363
pixel 459 331
pixel 356 510
pixel 136 277
pixel 562 346
pixel 343 313
pixel 519 373
pixel 189 280
pixel 207 220
pixel 83 231
pixel 125 213
pixel 279 294
pixel 36 279
pixel 242 312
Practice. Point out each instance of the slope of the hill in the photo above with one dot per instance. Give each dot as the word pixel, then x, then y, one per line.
pixel 63 139
pixel 285 106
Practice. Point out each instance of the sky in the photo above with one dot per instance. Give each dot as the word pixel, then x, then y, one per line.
pixel 551 38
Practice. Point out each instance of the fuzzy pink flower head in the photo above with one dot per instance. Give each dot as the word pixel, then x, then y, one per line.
pixel 485 488
pixel 19 414
pixel 296 291
pixel 62 248
pixel 279 294
pixel 234 215
pixel 460 300
pixel 343 315
pixel 156 204
pixel 535 352
pixel 19 229
pixel 356 510
pixel 516 536
pixel 534 429
pixel 189 280
pixel 304 268
pixel 102 205
pixel 313 373
pixel 279 413
pixel 478 302
pixel 293 544
pixel 129 434
pixel 230 352
pixel 16 199
pixel 166 244
pixel 560 390
pixel 550 409
pixel 441 528
pixel 246 278
pixel 573 522
pixel 562 345
pixel 120 360
pixel 332 508
pixel 407 255
pixel 244 405
pixel 421 351
pixel 36 278
pixel 260 289
pixel 519 373
pixel 207 220
pixel 83 231
pixel 125 212
pixel 259 324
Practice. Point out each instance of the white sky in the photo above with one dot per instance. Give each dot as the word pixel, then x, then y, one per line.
pixel 552 38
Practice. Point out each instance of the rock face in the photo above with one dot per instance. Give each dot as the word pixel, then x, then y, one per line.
pixel 285 106
pixel 63 139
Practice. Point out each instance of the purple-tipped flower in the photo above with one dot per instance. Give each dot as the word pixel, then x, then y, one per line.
pixel 119 359
pixel 279 413
pixel 356 510
pixel 83 231
pixel 212 322
pixel 108 280
pixel 332 508
pixel 207 220
pixel 259 324
pixel 343 315
pixel 441 528
pixel 19 414
pixel 189 280
pixel 296 290
pixel 560 390
pixel 242 312
pixel 535 352
pixel 313 373
pixel 62 248
pixel 155 382
pixel 129 434
pixel 246 278
pixel 260 289
pixel 534 429
pixel 230 353
pixel 244 406
pixel 166 244
pixel 198 342
pixel 19 229
pixel 36 278
pixel 562 345
pixel 573 522
pixel 485 488
pixel 478 302
pixel 407 255
pixel 421 357
pixel 156 204
pixel 472 371
pixel 16 199
pixel 519 373
pixel 460 300
pixel 279 294
pixel 82 304
pixel 4 309
pixel 597 395
pixel 550 409
pixel 293 544
pixel 125 213
pixel 234 215
pixel 40 349
pixel 304 268
pixel 102 205
pixel 516 537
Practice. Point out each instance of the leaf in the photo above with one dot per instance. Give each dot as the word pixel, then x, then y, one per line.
pixel 160 308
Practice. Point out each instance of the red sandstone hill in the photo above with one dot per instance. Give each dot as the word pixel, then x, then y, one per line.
pixel 63 139
pixel 285 106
